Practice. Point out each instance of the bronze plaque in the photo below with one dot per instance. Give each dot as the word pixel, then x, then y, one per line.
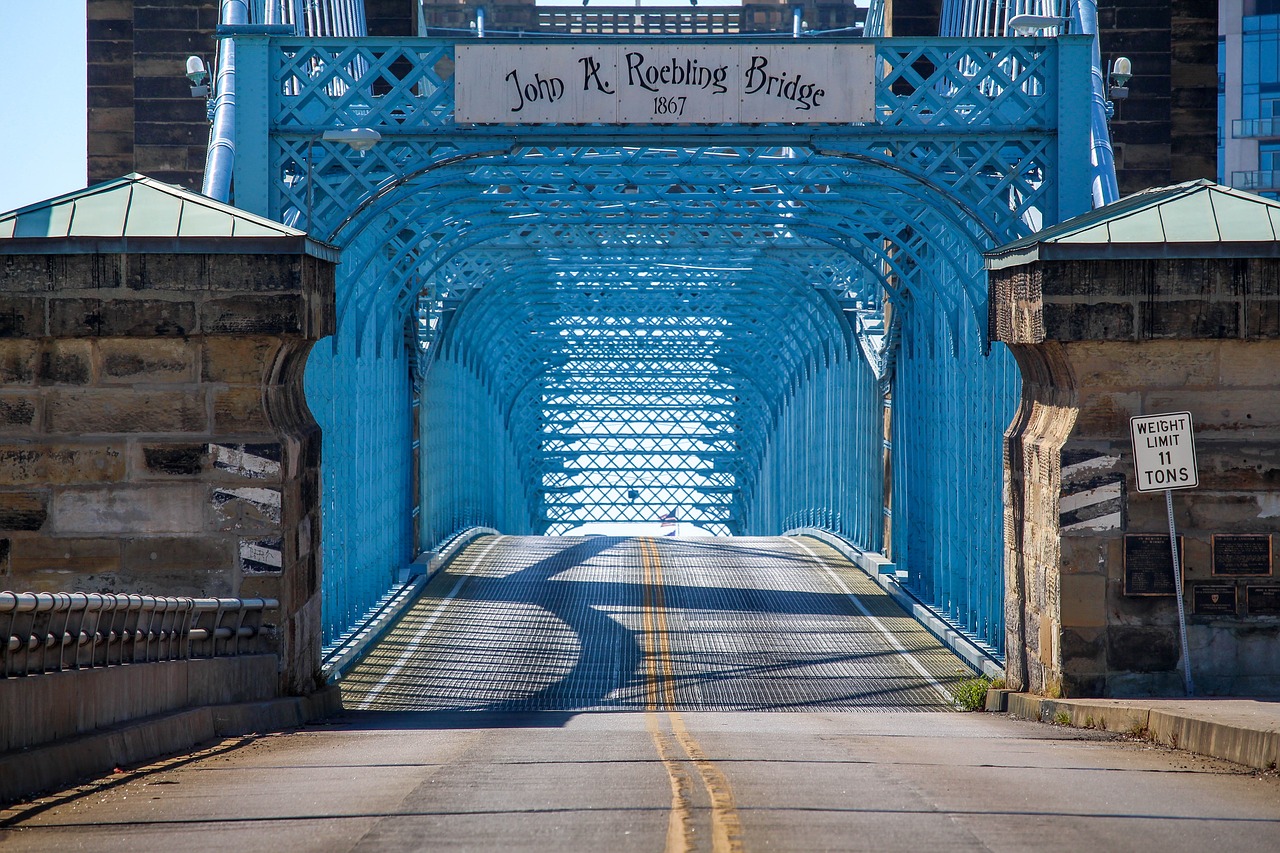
pixel 1262 600
pixel 1148 564
pixel 1242 555
pixel 1213 599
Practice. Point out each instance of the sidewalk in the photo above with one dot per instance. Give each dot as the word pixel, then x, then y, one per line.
pixel 1246 731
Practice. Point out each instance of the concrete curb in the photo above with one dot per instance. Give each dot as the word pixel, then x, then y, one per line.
pixel 55 766
pixel 414 578
pixel 885 573
pixel 1225 733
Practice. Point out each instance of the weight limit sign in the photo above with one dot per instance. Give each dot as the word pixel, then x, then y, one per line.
pixel 1164 452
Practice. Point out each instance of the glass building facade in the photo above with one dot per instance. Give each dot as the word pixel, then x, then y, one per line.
pixel 1249 95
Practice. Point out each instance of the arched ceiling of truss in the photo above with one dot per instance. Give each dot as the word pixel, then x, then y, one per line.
pixel 579 271
pixel 640 315
pixel 853 228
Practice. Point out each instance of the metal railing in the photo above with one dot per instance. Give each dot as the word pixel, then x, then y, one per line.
pixel 52 632
pixel 1260 181
pixel 1255 128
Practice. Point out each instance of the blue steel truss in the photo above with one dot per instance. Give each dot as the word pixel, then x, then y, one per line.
pixel 751 328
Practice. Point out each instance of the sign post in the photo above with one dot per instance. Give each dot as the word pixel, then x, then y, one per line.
pixel 1164 458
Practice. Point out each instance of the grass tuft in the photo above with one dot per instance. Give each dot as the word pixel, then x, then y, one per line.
pixel 971 694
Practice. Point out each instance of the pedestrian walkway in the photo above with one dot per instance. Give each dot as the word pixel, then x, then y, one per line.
pixel 1246 731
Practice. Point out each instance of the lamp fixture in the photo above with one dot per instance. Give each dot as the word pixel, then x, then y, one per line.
pixel 1121 74
pixel 198 75
pixel 1029 25
pixel 358 138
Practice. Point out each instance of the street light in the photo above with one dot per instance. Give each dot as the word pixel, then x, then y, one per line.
pixel 359 138
pixel 1029 25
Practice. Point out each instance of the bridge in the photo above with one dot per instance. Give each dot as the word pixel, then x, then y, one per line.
pixel 417 388
pixel 751 327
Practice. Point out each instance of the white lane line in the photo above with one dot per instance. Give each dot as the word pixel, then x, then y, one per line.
pixel 421 635
pixel 888 635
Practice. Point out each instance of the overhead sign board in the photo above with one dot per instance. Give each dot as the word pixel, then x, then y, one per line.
pixel 1164 452
pixel 667 83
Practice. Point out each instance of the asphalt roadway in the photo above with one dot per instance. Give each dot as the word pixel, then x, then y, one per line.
pixel 651 695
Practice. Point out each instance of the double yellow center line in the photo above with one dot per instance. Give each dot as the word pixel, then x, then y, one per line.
pixel 726 828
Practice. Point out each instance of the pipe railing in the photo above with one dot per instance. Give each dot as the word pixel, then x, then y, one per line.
pixel 52 632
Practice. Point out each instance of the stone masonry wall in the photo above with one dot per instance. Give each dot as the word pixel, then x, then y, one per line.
pixel 153 432
pixel 141 116
pixel 1099 342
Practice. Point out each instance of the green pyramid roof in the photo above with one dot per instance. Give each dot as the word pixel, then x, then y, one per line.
pixel 1197 219
pixel 137 213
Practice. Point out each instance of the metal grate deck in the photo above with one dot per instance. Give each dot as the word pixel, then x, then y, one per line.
pixel 603 623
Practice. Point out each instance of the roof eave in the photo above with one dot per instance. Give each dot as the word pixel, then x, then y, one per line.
pixel 283 245
pixel 1131 251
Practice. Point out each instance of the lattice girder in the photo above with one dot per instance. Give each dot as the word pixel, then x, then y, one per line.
pixel 741 253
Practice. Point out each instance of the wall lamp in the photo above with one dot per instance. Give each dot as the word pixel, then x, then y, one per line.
pixel 198 75
pixel 359 138
pixel 1030 25
pixel 1121 73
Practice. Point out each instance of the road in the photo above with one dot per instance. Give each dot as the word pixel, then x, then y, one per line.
pixel 651 695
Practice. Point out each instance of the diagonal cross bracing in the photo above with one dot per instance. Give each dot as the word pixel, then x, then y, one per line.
pixel 621 322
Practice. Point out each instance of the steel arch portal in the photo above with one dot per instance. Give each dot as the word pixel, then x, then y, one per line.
pixel 747 327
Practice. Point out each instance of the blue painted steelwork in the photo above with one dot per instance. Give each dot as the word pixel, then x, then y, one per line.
pixel 627 323
pixel 297 17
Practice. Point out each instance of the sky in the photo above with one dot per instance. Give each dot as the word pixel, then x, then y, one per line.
pixel 42 100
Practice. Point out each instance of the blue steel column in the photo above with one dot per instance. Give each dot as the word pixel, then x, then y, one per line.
pixel 1075 106
pixel 253 181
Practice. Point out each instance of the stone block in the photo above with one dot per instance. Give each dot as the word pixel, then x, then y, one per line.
pixel 193 566
pixel 66 362
pixel 99 411
pixel 21 316
pixel 1083 601
pixel 109 29
pixel 146 318
pixel 18 359
pixel 130 360
pixel 252 461
pixel 239 410
pixel 1262 319
pixel 236 359
pixel 109 10
pixel 1228 410
pixel 19 413
pixel 166 18
pixel 170 134
pixel 23 510
pixel 254 315
pixel 1190 318
pixel 1105 414
pixel 204 553
pixel 175 460
pixel 1237 466
pixel 111 119
pixel 1084 650
pixel 60 464
pixel 261 586
pixel 254 509
pixel 1230 513
pixel 55 559
pixel 1084 555
pixel 1142 648
pixel 1197 557
pixel 151 159
pixel 1106 321
pixel 1152 364
pixel 129 510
